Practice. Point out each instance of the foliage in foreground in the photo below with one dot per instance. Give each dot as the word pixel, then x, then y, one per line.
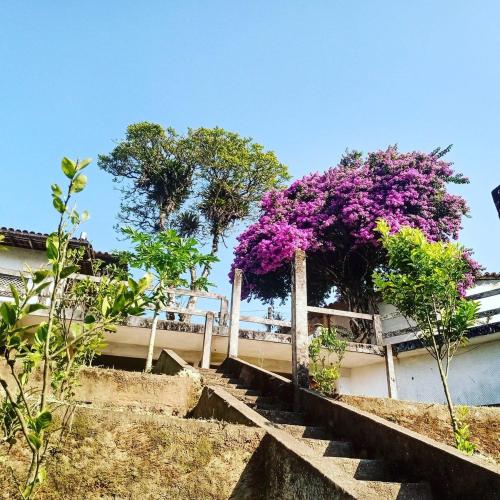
pixel 323 371
pixel 332 217
pixel 167 257
pixel 74 317
pixel 426 281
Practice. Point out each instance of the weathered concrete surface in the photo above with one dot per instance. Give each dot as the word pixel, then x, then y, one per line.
pixel 288 468
pixel 267 382
pixel 169 363
pixel 300 333
pixel 161 393
pixel 103 388
pixel 451 473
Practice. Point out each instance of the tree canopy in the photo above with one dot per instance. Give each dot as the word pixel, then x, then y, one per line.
pixel 201 183
pixel 154 179
pixel 332 216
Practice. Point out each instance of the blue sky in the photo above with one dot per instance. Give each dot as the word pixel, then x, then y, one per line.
pixel 307 79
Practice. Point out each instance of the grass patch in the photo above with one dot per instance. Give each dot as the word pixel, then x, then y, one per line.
pixel 122 455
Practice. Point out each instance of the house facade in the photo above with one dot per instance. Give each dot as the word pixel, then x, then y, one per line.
pixel 474 374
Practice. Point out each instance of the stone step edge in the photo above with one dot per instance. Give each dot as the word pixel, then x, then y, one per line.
pixel 215 402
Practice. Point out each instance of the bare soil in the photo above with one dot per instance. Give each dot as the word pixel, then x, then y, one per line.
pixel 125 455
pixel 433 421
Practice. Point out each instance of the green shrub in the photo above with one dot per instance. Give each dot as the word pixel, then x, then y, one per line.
pixel 324 373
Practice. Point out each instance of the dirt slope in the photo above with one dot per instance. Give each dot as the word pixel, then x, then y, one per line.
pixel 433 421
pixel 113 455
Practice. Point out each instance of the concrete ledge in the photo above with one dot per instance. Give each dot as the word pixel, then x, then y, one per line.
pixel 451 473
pixel 108 388
pixel 170 363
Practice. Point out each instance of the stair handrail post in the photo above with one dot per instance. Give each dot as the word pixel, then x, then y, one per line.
pixel 207 340
pixel 300 337
pixel 234 320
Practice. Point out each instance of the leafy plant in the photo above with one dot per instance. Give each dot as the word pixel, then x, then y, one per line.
pixel 57 347
pixel 167 257
pixel 426 282
pixel 323 372
pixel 462 434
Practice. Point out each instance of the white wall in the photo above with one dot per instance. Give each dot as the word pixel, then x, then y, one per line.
pixel 18 258
pixel 474 376
pixel 369 381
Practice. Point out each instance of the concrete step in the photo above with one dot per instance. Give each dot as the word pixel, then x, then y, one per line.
pixel 240 391
pixel 399 491
pixel 364 469
pixel 265 402
pixel 331 448
pixel 222 381
pixel 282 417
pixel 306 431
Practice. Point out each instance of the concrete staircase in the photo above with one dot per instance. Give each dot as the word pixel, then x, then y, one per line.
pixel 381 477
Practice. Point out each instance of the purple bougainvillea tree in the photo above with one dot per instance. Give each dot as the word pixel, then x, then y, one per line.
pixel 332 217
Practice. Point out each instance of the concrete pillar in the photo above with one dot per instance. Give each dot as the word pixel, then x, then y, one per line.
pixel 269 316
pixel 223 317
pixel 234 328
pixel 377 327
pixel 391 373
pixel 300 342
pixel 207 340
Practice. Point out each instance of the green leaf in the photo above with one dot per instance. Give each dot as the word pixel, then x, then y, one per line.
pixel 56 190
pixel 58 204
pixel 89 319
pixel 68 167
pixel 42 475
pixel 52 245
pixel 43 420
pixel 84 163
pixel 35 440
pixel 79 183
pixel 105 306
pixel 31 308
pixel 119 304
pixel 40 275
pixel 15 293
pixel 69 270
pixel 8 313
pixel 85 216
pixel 41 333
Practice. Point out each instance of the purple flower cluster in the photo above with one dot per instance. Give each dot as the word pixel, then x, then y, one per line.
pixel 335 212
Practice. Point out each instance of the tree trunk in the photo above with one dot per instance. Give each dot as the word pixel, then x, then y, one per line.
pixel 451 409
pixel 360 301
pixel 152 338
pixel 204 274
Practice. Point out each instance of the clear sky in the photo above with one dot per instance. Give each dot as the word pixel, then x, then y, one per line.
pixel 307 79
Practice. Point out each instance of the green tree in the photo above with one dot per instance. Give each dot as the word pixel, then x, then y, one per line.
pixel 207 181
pixel 154 176
pixel 167 257
pixel 60 345
pixel 424 280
